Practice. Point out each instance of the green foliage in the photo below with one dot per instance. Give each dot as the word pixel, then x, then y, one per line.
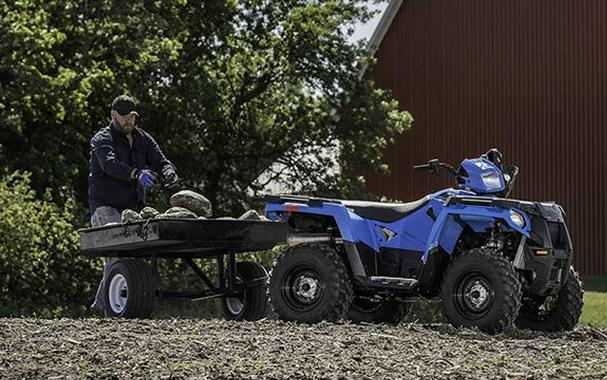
pixel 231 91
pixel 41 270
pixel 237 93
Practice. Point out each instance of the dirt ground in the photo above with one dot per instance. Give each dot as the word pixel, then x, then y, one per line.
pixel 217 349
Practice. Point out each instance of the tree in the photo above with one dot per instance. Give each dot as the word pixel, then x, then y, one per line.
pixel 229 89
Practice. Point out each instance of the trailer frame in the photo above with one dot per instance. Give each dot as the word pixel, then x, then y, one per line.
pixel 187 239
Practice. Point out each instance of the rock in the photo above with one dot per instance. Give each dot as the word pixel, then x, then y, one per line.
pixel 177 210
pixel 176 213
pixel 252 215
pixel 201 218
pixel 192 201
pixel 225 218
pixel 129 215
pixel 148 212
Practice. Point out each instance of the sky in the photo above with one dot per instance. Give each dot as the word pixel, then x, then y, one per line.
pixel 366 30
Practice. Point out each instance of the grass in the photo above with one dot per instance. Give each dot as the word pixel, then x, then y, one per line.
pixel 595 301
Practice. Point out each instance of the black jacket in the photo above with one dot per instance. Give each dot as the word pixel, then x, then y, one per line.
pixel 112 162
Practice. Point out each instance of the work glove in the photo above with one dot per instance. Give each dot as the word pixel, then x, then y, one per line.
pixel 146 178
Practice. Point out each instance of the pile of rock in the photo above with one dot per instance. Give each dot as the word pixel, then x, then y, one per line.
pixel 185 204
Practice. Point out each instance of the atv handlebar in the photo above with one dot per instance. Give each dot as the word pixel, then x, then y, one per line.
pixel 508 173
pixel 421 167
pixel 435 165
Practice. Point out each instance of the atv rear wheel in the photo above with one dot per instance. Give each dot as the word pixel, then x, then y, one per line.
pixel 252 303
pixel 310 283
pixel 554 313
pixel 129 289
pixel 365 310
pixel 481 289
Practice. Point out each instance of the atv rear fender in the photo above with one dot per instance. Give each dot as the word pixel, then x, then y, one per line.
pixel 351 227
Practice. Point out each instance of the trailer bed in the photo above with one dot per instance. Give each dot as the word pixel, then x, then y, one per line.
pixel 181 237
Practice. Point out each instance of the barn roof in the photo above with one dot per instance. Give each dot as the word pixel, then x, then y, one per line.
pixel 383 25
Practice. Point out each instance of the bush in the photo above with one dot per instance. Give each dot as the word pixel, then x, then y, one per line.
pixel 41 269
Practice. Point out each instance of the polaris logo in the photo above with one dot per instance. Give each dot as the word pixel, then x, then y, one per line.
pixel 482 165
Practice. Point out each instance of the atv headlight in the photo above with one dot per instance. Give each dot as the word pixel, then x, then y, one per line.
pixel 517 218
pixel 492 181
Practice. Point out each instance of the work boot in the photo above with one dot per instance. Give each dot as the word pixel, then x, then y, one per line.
pixel 96 310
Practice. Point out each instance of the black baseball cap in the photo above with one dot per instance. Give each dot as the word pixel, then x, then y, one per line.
pixel 125 105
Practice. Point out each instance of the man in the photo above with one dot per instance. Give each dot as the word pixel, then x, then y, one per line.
pixel 123 161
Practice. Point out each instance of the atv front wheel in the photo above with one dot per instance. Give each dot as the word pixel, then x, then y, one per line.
pixel 365 310
pixel 252 303
pixel 556 313
pixel 481 289
pixel 310 283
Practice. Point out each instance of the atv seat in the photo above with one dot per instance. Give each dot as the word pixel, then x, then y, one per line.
pixel 384 212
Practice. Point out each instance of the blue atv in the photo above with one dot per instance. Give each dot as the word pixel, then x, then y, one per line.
pixel 492 261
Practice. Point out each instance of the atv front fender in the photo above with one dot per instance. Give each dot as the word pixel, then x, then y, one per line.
pixel 451 221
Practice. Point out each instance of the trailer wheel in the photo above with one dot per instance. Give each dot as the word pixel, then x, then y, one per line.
pixel 554 313
pixel 129 289
pixel 481 289
pixel 310 283
pixel 365 310
pixel 253 303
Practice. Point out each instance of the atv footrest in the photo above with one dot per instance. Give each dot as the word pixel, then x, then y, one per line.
pixel 394 282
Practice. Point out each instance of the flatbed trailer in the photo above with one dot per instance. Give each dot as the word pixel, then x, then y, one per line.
pixel 132 251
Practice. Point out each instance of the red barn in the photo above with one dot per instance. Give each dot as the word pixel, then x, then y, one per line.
pixel 527 77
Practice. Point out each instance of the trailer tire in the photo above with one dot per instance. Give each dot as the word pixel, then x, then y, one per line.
pixel 129 289
pixel 389 311
pixel 253 303
pixel 310 283
pixel 481 289
pixel 564 314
